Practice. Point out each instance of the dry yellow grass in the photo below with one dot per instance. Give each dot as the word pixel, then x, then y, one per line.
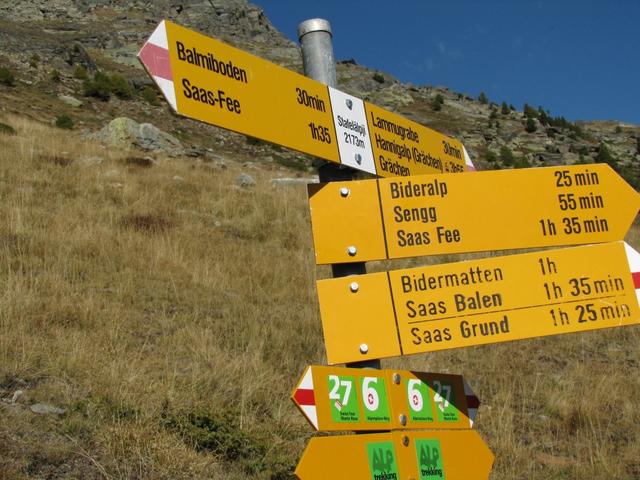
pixel 171 313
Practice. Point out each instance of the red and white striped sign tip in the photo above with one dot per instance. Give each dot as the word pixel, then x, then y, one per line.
pixel 633 257
pixel 304 397
pixel 340 398
pixel 154 56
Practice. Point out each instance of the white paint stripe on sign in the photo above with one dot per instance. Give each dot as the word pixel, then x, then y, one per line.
pixel 467 160
pixel 167 90
pixel 159 36
pixel 633 257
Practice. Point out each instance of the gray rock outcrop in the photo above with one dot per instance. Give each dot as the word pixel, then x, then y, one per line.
pixel 123 132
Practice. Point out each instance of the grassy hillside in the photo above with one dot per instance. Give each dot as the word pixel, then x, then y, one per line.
pixel 170 313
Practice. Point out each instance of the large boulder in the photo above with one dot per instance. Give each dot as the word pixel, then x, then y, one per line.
pixel 123 132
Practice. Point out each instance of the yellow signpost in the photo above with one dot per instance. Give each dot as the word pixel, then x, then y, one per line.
pixel 478 302
pixel 438 454
pixel 492 210
pixel 207 80
pixel 338 399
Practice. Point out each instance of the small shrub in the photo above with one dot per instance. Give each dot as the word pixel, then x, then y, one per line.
pixel 631 175
pixel 530 126
pixel 64 121
pixel 529 111
pixel 521 162
pixel 99 87
pixel 54 158
pixel 577 131
pixel 220 435
pixel 504 109
pixel 378 77
pixel 506 156
pixel 493 115
pixel 256 142
pixel 80 72
pixel 148 223
pixel 583 150
pixel 7 129
pixel 482 98
pixel 605 156
pixel 143 162
pixel 543 117
pixel 491 156
pixel 437 102
pixel 618 129
pixel 55 76
pixel 150 96
pixel 34 60
pixel 638 145
pixel 121 88
pixel 560 122
pixel 6 77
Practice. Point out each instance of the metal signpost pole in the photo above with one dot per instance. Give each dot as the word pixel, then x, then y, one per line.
pixel 315 38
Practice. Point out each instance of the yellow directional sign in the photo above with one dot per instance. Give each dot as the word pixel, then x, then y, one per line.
pixel 493 210
pixel 438 454
pixel 478 302
pixel 207 80
pixel 334 398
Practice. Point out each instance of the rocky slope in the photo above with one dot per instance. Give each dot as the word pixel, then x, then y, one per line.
pixel 43 43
